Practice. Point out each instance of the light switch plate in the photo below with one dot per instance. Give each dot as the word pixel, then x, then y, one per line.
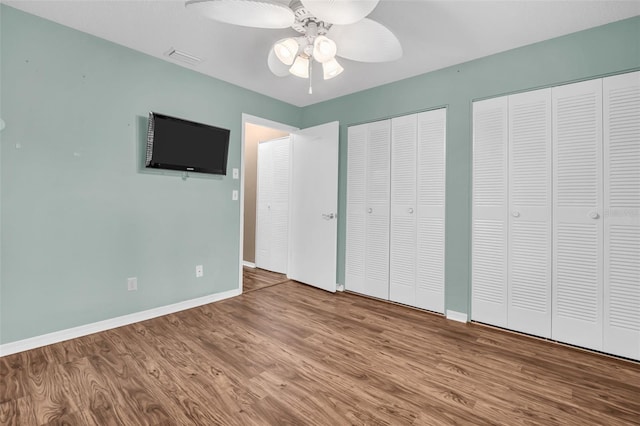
pixel 236 173
pixel 234 195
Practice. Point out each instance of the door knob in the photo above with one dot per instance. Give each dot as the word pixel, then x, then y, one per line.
pixel 329 216
pixel 410 211
pixel 515 213
pixel 370 210
pixel 594 214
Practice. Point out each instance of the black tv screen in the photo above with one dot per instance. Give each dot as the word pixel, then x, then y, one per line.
pixel 176 144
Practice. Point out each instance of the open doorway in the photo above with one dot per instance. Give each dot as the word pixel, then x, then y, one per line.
pixel 255 130
pixel 313 202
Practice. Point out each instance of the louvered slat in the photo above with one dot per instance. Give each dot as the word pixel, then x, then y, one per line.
pixel 622 214
pixel 489 205
pixel 578 226
pixel 529 279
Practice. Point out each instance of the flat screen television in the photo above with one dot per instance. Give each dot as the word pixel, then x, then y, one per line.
pixel 177 144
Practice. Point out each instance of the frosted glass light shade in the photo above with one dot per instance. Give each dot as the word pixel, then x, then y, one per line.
pixel 276 66
pixel 300 67
pixel 286 50
pixel 324 49
pixel 246 13
pixel 331 69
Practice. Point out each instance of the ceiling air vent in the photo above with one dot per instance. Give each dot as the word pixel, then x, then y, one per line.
pixel 183 57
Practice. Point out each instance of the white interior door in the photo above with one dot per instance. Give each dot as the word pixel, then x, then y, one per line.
pixel 378 200
pixel 313 224
pixel 263 218
pixel 577 214
pixel 356 240
pixel 402 238
pixel 272 218
pixel 530 212
pixel 432 135
pixel 622 215
pixel 489 215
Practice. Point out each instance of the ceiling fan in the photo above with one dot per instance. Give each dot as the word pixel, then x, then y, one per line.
pixel 327 28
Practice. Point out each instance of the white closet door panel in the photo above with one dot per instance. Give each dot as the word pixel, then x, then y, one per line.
pixel 577 204
pixel 263 215
pixel 377 213
pixel 279 205
pixel 432 127
pixel 489 221
pixel 622 215
pixel 529 233
pixel 402 248
pixel 356 241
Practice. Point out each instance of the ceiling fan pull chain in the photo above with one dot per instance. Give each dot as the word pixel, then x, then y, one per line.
pixel 310 75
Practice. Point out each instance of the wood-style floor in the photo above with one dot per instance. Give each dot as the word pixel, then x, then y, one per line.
pixel 289 354
pixel 256 279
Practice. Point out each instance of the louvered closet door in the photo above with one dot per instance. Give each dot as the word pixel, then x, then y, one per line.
pixel 578 228
pixel 263 216
pixel 489 216
pixel 430 209
pixel 356 241
pixel 402 262
pixel 622 215
pixel 279 228
pixel 529 282
pixel 377 222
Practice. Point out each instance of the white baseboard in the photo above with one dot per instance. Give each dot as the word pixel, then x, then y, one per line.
pixel 248 264
pixel 457 316
pixel 96 327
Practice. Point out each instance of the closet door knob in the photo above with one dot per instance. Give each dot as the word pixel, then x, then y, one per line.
pixel 515 213
pixel 410 211
pixel 594 214
pixel 370 210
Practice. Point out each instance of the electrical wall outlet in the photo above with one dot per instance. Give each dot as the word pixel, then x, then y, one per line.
pixel 199 271
pixel 132 284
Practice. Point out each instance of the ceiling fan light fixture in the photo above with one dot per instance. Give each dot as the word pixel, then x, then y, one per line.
pixel 331 69
pixel 246 13
pixel 286 50
pixel 300 67
pixel 324 49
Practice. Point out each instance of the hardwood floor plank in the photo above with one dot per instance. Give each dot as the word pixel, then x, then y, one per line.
pixel 288 353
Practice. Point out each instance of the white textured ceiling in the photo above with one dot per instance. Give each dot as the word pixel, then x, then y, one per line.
pixel 434 35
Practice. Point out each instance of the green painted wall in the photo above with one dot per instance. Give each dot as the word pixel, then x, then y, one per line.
pixel 596 52
pixel 78 214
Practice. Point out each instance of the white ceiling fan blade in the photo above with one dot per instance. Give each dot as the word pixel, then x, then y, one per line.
pixel 276 66
pixel 366 41
pixel 340 12
pixel 247 13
